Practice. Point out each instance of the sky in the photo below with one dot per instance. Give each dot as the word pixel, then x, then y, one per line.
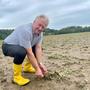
pixel 61 13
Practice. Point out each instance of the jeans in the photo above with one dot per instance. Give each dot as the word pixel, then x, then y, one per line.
pixel 16 51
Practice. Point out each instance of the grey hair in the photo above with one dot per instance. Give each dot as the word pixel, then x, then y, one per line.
pixel 43 17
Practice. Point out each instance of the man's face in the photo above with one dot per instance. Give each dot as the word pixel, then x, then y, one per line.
pixel 39 26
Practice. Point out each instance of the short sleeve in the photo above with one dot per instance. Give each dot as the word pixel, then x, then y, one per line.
pixel 24 39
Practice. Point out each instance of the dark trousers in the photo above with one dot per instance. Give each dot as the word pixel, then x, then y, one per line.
pixel 16 51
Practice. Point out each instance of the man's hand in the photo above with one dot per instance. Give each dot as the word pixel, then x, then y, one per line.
pixel 39 73
pixel 43 68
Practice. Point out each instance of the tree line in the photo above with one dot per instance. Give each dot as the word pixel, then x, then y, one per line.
pixel 72 29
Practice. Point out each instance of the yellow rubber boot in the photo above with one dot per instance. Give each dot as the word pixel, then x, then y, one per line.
pixel 17 78
pixel 28 66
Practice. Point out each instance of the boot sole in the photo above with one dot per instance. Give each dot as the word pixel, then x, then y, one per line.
pixel 20 85
pixel 28 72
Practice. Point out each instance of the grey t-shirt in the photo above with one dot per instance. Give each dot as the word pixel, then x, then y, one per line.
pixel 24 37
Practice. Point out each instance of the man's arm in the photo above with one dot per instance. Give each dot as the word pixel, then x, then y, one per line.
pixel 34 62
pixel 39 56
pixel 39 53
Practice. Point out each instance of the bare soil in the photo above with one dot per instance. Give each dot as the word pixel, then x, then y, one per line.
pixel 67 58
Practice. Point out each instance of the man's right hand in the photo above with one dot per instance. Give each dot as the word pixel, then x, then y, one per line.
pixel 43 68
pixel 39 73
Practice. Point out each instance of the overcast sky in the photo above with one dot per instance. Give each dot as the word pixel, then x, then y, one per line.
pixel 61 13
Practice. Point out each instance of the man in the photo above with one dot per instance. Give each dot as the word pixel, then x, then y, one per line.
pixel 26 40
